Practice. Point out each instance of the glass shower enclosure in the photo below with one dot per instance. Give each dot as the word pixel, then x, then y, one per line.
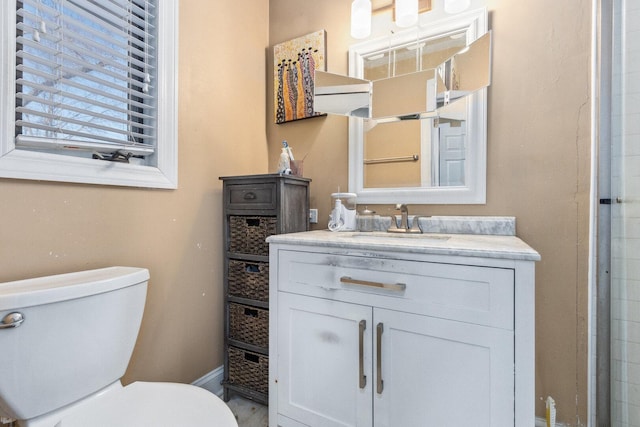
pixel 620 34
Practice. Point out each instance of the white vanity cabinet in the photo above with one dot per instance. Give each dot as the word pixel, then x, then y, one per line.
pixel 384 335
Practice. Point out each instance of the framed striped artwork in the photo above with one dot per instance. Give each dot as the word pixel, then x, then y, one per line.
pixel 294 65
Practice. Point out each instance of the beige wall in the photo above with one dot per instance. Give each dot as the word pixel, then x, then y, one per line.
pixel 538 171
pixel 538 160
pixel 48 228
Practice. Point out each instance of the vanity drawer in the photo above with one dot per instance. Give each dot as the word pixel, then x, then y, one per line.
pixel 251 196
pixel 249 369
pixel 478 295
pixel 249 324
pixel 248 279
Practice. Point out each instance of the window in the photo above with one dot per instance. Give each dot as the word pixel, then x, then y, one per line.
pixel 91 89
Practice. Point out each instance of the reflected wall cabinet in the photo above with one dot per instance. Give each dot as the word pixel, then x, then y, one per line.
pixel 255 207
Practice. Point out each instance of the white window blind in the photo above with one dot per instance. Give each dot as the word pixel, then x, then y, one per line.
pixel 85 76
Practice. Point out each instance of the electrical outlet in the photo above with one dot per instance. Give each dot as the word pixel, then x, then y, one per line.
pixel 313 216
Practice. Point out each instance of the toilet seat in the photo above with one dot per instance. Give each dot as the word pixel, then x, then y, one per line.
pixel 143 404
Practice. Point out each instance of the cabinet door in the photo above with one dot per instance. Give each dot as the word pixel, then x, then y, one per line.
pixel 323 349
pixel 440 373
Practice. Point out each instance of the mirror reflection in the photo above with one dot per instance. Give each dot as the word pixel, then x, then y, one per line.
pixel 429 152
pixel 465 72
pixel 338 94
pixel 424 140
pixel 408 82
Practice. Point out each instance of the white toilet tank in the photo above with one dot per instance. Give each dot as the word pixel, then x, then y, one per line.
pixel 77 336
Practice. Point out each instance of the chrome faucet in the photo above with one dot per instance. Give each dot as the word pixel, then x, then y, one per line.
pixel 404 222
pixel 404 216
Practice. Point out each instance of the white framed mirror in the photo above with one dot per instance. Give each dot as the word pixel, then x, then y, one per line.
pixel 432 160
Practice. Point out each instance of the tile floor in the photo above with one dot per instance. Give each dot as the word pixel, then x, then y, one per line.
pixel 248 413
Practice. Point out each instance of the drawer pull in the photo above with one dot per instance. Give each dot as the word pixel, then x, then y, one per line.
pixel 390 286
pixel 250 196
pixel 250 312
pixel 251 268
pixel 253 222
pixel 252 357
pixel 379 382
pixel 12 320
pixel 363 377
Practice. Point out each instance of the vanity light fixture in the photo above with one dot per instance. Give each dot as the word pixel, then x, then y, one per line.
pixel 406 13
pixel 360 19
pixel 456 6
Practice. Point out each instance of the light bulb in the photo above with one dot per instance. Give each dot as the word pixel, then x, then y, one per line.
pixel 360 19
pixel 456 6
pixel 406 13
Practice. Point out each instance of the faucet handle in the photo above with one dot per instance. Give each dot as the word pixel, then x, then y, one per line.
pixel 415 225
pixel 393 227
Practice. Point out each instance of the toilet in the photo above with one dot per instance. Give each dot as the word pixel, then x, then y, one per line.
pixel 65 343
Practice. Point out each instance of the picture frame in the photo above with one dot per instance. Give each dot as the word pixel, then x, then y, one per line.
pixel 294 65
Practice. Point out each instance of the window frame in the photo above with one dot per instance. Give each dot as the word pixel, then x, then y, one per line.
pixel 34 165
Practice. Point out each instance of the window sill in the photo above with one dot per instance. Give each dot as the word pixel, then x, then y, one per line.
pixel 21 164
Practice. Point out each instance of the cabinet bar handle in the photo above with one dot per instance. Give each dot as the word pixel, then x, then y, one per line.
pixel 363 377
pixel 379 382
pixel 390 286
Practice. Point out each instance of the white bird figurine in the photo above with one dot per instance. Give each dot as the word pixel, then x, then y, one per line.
pixel 284 164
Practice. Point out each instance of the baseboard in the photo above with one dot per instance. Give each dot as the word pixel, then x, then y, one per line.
pixel 211 381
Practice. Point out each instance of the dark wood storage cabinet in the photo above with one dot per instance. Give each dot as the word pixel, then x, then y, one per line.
pixel 255 207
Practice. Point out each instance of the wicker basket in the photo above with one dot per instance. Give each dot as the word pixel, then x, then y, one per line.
pixel 249 369
pixel 249 280
pixel 248 234
pixel 249 324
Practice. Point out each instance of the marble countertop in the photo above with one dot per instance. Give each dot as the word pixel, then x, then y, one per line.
pixel 495 225
pixel 477 245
